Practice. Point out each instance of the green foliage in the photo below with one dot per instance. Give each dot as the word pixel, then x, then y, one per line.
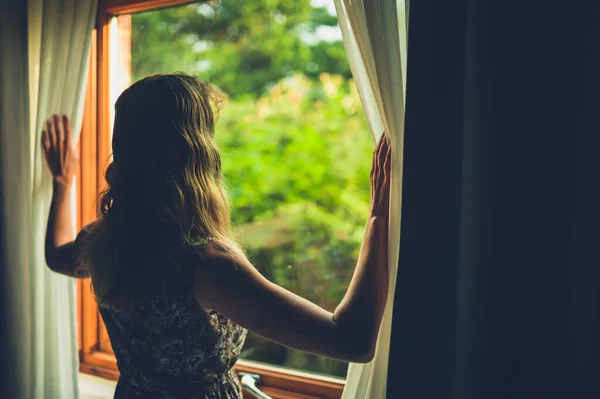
pixel 242 50
pixel 303 140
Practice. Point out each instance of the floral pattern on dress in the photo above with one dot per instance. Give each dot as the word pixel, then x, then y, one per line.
pixel 169 348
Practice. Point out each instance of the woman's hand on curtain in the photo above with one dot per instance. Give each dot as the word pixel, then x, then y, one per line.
pixel 62 158
pixel 380 178
pixel 60 152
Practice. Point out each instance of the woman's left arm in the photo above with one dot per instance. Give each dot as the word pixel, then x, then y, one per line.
pixel 61 156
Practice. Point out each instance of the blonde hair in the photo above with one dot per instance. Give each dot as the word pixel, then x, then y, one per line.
pixel 165 197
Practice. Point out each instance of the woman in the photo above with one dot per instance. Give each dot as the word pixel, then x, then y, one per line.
pixel 174 289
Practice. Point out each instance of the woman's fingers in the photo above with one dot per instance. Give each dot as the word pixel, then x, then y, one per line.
pixel 60 133
pixel 52 136
pixel 374 166
pixel 380 176
pixel 387 166
pixel 51 132
pixel 67 129
pixel 381 148
pixel 378 161
pixel 379 157
pixel 45 140
pixel 60 138
pixel 57 133
pixel 380 144
pixel 383 151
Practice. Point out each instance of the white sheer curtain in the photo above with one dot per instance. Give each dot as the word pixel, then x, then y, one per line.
pixel 375 38
pixel 54 56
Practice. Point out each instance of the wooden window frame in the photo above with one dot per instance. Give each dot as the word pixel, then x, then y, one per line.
pixel 96 356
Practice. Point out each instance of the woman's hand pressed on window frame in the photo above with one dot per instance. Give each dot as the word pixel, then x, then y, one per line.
pixel 228 283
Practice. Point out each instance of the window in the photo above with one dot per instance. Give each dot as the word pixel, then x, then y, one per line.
pixel 295 145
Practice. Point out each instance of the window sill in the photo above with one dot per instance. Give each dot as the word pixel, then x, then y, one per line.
pixel 92 387
pixel 292 384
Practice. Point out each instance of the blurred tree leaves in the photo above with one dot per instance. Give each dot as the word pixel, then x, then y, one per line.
pixel 241 49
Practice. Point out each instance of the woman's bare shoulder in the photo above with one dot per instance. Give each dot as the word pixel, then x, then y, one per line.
pixel 225 260
pixel 220 251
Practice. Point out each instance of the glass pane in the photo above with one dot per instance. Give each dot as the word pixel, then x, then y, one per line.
pixel 295 144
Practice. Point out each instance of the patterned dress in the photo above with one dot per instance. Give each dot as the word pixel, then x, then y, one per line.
pixel 169 348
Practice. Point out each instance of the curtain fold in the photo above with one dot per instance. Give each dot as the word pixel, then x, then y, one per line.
pixel 375 38
pixel 54 57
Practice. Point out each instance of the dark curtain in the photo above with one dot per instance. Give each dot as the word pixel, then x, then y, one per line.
pixel 498 287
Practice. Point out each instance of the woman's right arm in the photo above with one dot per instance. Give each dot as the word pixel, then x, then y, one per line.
pixel 233 287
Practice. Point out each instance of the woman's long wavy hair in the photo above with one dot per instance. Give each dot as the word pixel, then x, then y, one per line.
pixel 165 194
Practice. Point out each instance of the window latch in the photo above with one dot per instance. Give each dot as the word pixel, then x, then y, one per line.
pixel 249 382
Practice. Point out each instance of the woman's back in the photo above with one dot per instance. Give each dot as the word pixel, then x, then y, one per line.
pixel 169 347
